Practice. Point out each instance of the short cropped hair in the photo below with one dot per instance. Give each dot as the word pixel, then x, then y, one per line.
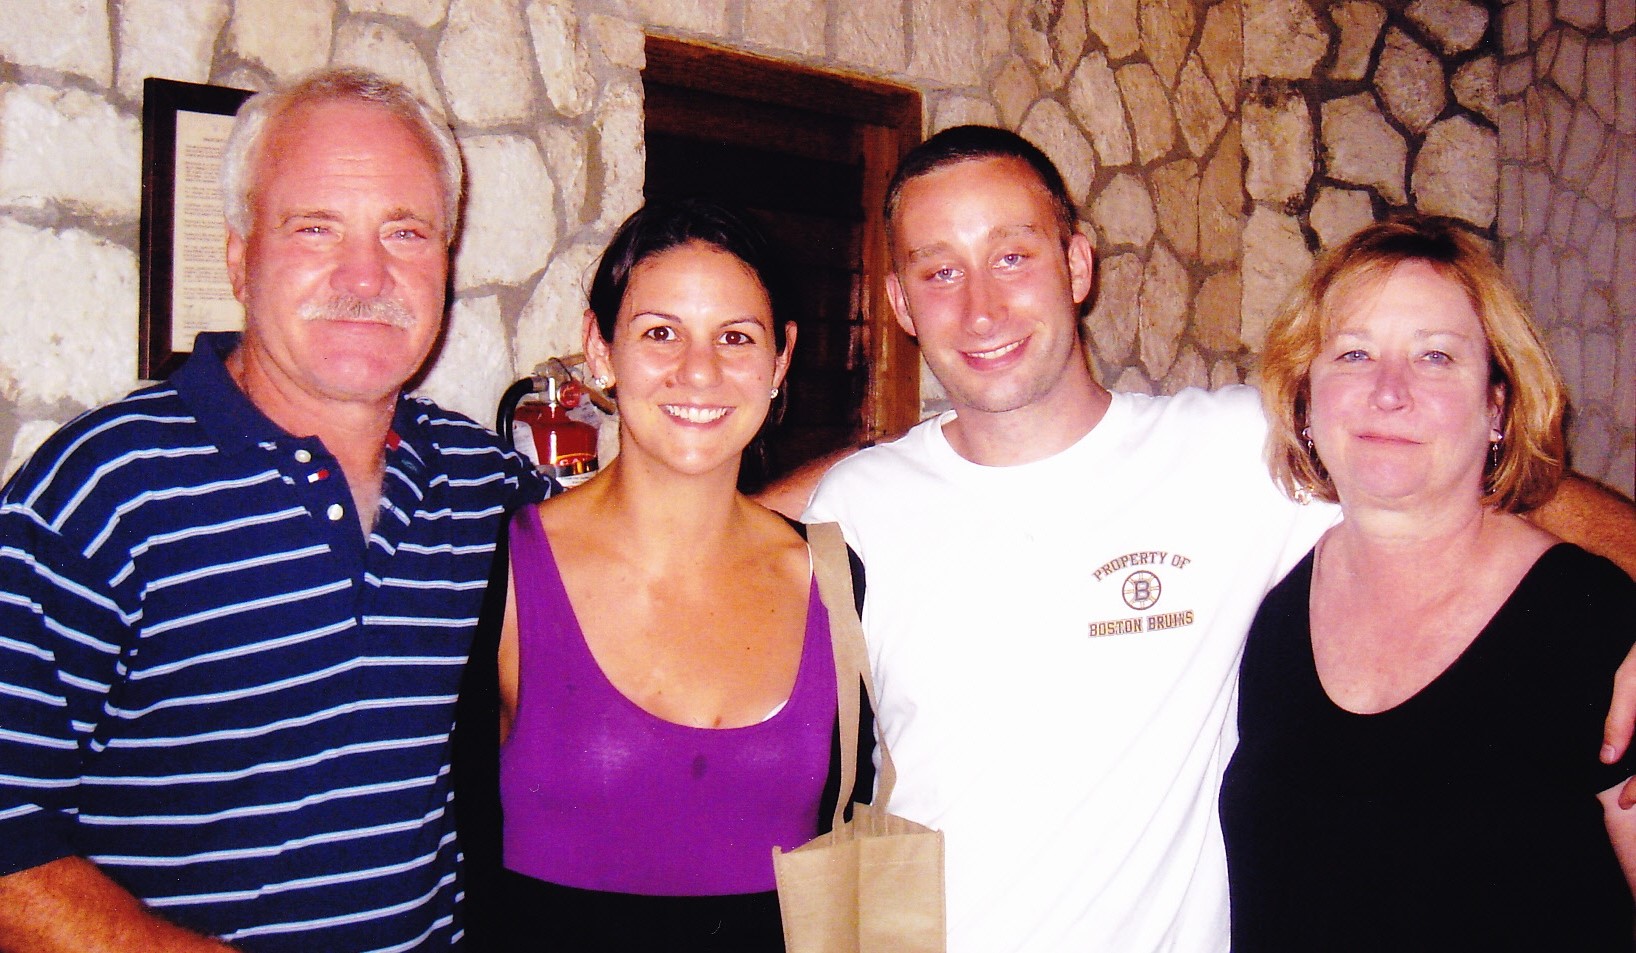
pixel 662 225
pixel 1531 453
pixel 964 143
pixel 242 153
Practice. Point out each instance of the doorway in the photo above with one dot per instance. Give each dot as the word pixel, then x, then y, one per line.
pixel 808 154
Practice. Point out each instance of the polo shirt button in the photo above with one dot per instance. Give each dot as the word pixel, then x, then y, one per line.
pixel 303 456
pixel 335 512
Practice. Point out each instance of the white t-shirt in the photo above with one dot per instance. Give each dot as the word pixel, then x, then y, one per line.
pixel 1056 649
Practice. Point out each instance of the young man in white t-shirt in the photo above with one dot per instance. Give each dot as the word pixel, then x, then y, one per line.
pixel 1060 579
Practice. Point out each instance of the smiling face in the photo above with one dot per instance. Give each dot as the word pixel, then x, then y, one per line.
pixel 342 273
pixel 693 357
pixel 1402 406
pixel 990 286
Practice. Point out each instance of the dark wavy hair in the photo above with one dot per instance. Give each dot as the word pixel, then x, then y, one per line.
pixel 660 226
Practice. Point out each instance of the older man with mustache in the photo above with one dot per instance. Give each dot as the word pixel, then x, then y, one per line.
pixel 235 606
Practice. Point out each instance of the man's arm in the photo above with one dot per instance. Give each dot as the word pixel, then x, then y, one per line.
pixel 1599 520
pixel 789 494
pixel 1593 517
pixel 69 906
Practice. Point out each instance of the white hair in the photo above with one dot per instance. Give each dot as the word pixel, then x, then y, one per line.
pixel 240 155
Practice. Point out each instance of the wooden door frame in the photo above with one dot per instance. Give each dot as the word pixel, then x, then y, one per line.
pixel 891 121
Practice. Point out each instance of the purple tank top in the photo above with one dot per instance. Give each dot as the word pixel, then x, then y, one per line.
pixel 599 794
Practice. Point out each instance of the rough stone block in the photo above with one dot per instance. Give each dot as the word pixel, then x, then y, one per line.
pixel 1620 16
pixel 1516 77
pixel 1176 193
pixel 944 49
pixel 1149 108
pixel 1536 203
pixel 1015 91
pixel 1048 126
pixel 154 41
pixel 426 13
pixel 1568 66
pixel 484 60
pixel 1514 28
pixel 1112 322
pixel 1275 258
pixel 288 38
pixel 67 35
pixel 1624 178
pixel 793 25
pixel 1165 302
pixel 1132 381
pixel 620 40
pixel 1199 115
pixel 1124 212
pixel 472 368
pixel 1599 248
pixel 1513 125
pixel 621 154
pixel 1585 139
pixel 1457 172
pixel 1189 370
pixel 1584 14
pixel 1541 15
pixel 1221 48
pixel 552 322
pixel 1474 87
pixel 1216 313
pixel 1221 202
pixel 870 33
pixel 68 147
pixel 1115 23
pixel 378 47
pixel 1624 85
pixel 1338 214
pixel 963 110
pixel 1359 23
pixel 1510 221
pixel 1069 34
pixel 1282 39
pixel 1599 91
pixel 511 216
pixel 560 57
pixel 699 16
pixel 566 157
pixel 1031 38
pixel 1624 273
pixel 1094 96
pixel 54 347
pixel 1277 133
pixel 1410 81
pixel 1571 284
pixel 1167 32
pixel 1361 148
pixel 1456 25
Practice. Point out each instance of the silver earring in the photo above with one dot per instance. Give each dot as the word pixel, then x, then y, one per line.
pixel 773 395
pixel 600 381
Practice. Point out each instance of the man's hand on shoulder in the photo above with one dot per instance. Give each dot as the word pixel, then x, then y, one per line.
pixel 69 906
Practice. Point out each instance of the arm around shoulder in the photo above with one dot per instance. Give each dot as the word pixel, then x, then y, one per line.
pixel 1593 517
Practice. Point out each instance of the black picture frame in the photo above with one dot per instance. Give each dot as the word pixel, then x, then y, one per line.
pixel 162 101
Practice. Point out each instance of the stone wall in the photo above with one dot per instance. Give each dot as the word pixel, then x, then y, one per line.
pixel 1567 219
pixel 1210 144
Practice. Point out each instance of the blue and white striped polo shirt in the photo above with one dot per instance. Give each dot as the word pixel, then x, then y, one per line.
pixel 212 686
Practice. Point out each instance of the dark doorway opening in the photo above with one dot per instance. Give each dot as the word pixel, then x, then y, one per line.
pixel 808 154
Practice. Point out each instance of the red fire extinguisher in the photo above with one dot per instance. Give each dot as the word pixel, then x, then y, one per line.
pixel 560 446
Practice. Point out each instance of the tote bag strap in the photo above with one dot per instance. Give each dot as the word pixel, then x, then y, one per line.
pixel 851 659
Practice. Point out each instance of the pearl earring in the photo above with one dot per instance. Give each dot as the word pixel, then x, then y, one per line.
pixel 773 395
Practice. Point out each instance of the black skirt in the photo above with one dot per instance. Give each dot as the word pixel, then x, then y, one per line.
pixel 540 917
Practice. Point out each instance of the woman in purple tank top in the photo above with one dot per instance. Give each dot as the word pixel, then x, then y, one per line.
pixel 667 688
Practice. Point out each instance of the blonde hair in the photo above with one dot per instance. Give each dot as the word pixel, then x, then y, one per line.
pixel 243 148
pixel 1530 461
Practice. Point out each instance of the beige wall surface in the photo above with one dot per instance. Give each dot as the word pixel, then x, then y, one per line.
pixel 1212 146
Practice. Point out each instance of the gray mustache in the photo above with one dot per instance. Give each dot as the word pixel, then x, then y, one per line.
pixel 388 311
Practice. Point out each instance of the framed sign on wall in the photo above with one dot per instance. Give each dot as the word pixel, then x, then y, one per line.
pixel 183 271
